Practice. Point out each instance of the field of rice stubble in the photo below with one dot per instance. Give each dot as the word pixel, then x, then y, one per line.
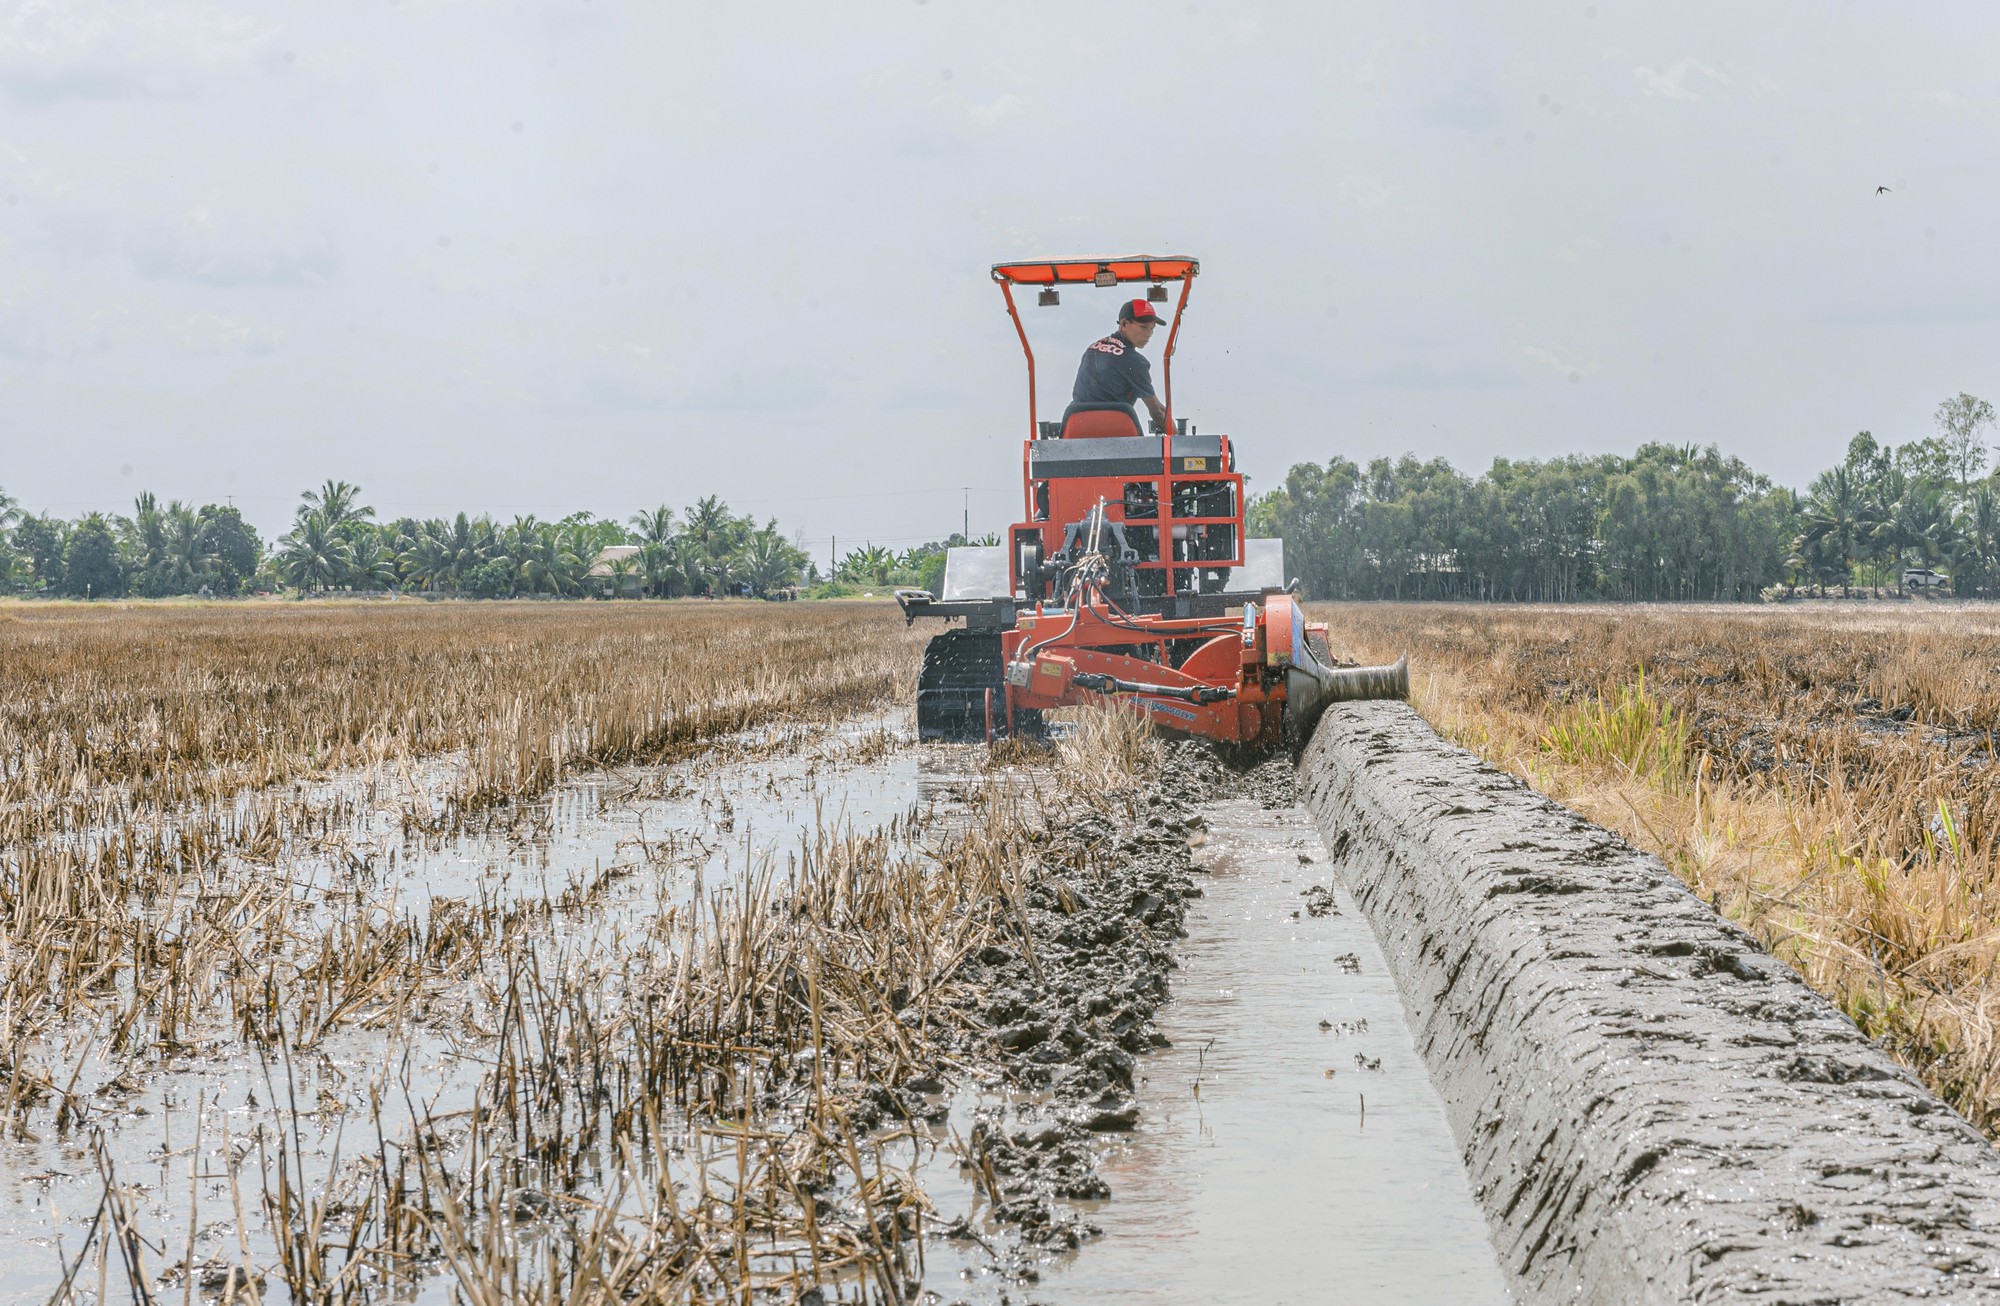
pixel 1822 773
pixel 511 952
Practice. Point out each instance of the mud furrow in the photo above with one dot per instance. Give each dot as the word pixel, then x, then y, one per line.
pixel 1649 1106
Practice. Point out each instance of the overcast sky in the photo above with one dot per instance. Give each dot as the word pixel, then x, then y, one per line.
pixel 603 254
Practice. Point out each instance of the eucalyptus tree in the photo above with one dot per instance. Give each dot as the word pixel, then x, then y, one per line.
pixel 1962 423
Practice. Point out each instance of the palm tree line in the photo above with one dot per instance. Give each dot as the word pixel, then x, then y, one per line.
pixel 336 544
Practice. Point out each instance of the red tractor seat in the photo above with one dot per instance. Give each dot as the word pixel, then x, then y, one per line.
pixel 1096 423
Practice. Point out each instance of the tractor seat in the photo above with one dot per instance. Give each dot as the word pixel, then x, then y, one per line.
pixel 1094 421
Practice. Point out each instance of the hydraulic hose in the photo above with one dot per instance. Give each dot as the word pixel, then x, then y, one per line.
pixel 1106 684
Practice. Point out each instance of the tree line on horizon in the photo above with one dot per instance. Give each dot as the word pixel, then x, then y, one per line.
pixel 336 545
pixel 1669 522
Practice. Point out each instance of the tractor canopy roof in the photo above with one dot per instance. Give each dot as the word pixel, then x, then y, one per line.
pixel 1100 271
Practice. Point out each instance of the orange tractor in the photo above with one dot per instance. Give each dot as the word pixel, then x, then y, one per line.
pixel 1129 577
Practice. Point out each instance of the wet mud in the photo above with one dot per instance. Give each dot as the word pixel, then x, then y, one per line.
pixel 1649 1107
pixel 1291 1149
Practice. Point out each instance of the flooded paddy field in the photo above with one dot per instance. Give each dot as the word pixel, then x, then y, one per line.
pixel 769 1001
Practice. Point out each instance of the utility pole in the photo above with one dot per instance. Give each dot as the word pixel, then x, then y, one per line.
pixel 832 556
pixel 965 531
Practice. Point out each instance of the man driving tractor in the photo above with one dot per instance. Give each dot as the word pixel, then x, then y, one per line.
pixel 1114 373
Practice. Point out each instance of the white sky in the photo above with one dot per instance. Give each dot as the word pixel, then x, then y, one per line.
pixel 539 257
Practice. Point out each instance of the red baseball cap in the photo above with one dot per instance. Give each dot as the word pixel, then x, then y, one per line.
pixel 1138 310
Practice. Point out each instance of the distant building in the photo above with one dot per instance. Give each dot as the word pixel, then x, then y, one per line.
pixel 604 568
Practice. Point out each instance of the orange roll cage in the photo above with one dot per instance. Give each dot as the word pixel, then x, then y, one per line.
pixel 1052 273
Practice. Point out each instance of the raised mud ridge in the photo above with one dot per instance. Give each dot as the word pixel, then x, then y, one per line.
pixel 1651 1108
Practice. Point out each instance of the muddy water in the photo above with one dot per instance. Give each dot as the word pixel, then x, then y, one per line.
pixel 1292 1148
pixel 1254 1174
pixel 169 1128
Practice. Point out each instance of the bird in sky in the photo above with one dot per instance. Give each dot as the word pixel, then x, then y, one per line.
pixel 1881 190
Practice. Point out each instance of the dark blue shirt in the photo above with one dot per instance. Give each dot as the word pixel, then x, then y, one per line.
pixel 1113 371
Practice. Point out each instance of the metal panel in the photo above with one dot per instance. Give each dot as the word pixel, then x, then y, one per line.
pixel 1263 566
pixel 975 572
pixel 1121 455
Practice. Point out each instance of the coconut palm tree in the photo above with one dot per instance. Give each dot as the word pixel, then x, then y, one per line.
pixel 1920 528
pixel 313 556
pixel 450 550
pixel 767 561
pixel 549 561
pixel 374 563
pixel 338 501
pixel 1978 543
pixel 187 562
pixel 657 567
pixel 1837 521
pixel 655 526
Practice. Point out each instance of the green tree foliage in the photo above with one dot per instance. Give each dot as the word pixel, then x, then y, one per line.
pixel 13 566
pixel 336 545
pixel 1667 523
pixel 1837 524
pixel 40 542
pixel 231 545
pixel 1962 422
pixel 93 568
pixel 869 565
pixel 314 557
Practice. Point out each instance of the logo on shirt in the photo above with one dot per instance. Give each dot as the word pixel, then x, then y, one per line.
pixel 1108 347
